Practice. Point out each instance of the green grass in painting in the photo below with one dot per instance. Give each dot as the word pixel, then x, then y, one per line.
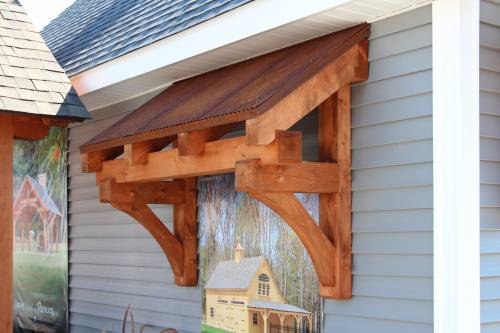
pixel 42 279
pixel 210 329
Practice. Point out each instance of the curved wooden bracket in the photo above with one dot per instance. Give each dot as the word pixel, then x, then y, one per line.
pixel 319 247
pixel 180 247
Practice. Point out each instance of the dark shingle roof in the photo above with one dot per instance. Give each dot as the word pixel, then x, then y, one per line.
pixel 276 306
pixel 91 32
pixel 232 275
pixel 31 80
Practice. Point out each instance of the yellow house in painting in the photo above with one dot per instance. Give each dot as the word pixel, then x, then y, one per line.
pixel 242 296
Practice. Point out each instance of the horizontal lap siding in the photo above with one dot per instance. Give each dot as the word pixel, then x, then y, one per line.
pixel 114 262
pixel 392 184
pixel 490 164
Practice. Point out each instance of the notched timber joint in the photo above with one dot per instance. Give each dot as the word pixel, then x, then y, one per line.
pixel 179 246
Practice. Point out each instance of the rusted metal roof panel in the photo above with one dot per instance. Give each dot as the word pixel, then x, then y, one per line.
pixel 231 94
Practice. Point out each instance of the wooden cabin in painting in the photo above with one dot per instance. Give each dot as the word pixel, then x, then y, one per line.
pixel 242 296
pixel 37 219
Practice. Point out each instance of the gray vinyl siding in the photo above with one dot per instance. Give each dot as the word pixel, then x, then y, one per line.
pixel 392 184
pixel 113 260
pixel 490 164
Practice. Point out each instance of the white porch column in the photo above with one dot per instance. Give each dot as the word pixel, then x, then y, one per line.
pixel 456 166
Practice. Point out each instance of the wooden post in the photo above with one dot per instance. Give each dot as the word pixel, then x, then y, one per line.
pixel 6 222
pixel 281 316
pixel 335 208
pixel 265 316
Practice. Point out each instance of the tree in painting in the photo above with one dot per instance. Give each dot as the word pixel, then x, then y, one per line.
pixel 227 217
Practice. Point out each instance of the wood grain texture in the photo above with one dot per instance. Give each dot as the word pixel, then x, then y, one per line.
pixel 186 230
pixel 304 99
pixel 305 177
pixel 6 220
pixel 234 93
pixel 319 247
pixel 334 139
pixel 218 157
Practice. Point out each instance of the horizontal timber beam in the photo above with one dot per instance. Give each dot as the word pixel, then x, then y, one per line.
pixel 305 177
pixel 218 157
pixel 161 192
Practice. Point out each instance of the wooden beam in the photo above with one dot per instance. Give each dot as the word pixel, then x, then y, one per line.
pixel 361 70
pixel 162 192
pixel 193 143
pixel 137 153
pixel 218 157
pixel 6 221
pixel 30 128
pixel 93 161
pixel 168 242
pixel 252 175
pixel 335 209
pixel 186 230
pixel 319 247
pixel 261 130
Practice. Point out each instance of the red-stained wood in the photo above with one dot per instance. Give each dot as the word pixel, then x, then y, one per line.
pixel 93 161
pixel 6 220
pixel 361 70
pixel 193 143
pixel 304 99
pixel 319 247
pixel 186 230
pixel 238 92
pixel 335 209
pixel 162 192
pixel 137 153
pixel 219 157
pixel 305 177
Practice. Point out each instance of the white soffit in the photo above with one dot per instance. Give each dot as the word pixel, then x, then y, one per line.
pixel 253 29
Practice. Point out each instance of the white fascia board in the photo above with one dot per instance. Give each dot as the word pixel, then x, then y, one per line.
pixel 243 22
pixel 456 166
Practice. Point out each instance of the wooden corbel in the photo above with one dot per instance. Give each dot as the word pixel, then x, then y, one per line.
pixel 328 243
pixel 179 246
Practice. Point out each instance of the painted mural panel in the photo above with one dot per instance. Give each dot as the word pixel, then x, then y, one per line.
pixel 255 273
pixel 40 235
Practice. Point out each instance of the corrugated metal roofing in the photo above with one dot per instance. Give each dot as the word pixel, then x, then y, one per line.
pixel 31 81
pixel 243 91
pixel 232 275
pixel 91 32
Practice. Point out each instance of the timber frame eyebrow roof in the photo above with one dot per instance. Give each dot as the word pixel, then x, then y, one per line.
pixel 91 32
pixel 178 135
pixel 31 80
pixel 231 94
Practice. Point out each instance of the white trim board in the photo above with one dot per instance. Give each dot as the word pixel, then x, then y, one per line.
pixel 456 166
pixel 256 28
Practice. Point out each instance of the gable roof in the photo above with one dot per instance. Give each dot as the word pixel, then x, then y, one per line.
pixel 31 81
pixel 231 94
pixel 41 193
pixel 232 275
pixel 91 32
